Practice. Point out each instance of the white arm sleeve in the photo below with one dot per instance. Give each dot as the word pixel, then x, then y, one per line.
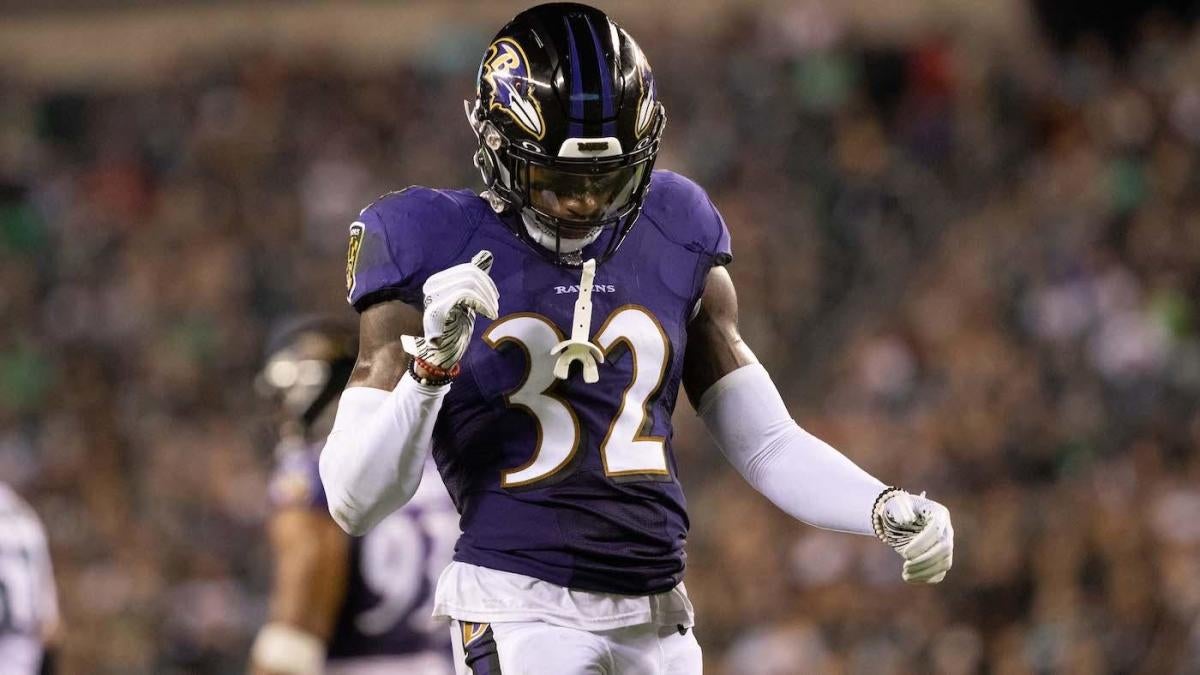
pixel 375 454
pixel 797 471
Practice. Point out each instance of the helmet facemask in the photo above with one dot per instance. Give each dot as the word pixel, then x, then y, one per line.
pixel 588 195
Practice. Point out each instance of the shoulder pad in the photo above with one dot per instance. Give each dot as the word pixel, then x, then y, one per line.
pixel 682 211
pixel 400 240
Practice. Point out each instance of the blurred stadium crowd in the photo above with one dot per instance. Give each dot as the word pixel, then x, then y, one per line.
pixel 986 253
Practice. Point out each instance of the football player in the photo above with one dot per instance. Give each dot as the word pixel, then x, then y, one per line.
pixel 341 605
pixel 604 287
pixel 28 601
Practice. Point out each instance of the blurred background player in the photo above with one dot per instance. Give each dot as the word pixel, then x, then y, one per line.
pixel 342 605
pixel 28 601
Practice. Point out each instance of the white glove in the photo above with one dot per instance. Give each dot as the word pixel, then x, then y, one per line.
pixel 452 297
pixel 920 531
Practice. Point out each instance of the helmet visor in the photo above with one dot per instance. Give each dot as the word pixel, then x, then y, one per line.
pixel 589 199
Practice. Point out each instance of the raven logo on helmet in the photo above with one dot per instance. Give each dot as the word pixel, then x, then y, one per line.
pixel 506 70
pixel 646 105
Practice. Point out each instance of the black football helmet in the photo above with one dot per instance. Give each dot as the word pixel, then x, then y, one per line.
pixel 569 125
pixel 307 364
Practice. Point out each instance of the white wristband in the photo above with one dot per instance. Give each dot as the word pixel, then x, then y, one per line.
pixel 286 649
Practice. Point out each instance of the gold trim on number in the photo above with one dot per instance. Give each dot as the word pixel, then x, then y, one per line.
pixel 662 372
pixel 537 449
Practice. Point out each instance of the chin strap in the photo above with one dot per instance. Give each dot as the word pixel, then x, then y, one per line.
pixel 546 238
pixel 580 348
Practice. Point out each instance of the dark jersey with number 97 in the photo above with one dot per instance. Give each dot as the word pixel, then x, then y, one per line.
pixel 562 480
pixel 392 570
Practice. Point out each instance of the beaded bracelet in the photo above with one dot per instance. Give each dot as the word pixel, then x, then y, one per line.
pixel 438 376
pixel 877 516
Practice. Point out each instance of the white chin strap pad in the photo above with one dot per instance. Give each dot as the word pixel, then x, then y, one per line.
pixel 545 236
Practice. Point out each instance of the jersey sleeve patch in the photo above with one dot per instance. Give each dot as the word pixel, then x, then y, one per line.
pixel 372 274
pixel 398 242
pixel 684 213
pixel 356 235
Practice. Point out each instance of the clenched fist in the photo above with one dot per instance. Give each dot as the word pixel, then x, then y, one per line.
pixel 919 530
pixel 452 297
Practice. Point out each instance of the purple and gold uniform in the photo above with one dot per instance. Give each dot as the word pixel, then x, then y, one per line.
pixel 392 570
pixel 561 480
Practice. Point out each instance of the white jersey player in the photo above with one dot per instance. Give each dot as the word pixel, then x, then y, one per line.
pixel 28 602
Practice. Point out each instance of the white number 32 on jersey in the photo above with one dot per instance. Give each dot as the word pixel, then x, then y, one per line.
pixel 624 450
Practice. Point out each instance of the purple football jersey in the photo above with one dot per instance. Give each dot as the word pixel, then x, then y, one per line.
pixel 392 570
pixel 565 481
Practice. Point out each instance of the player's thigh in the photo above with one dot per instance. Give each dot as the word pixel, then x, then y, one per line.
pixel 526 648
pixel 681 653
pixel 653 650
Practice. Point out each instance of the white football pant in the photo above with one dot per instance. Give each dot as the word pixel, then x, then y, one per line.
pixel 537 648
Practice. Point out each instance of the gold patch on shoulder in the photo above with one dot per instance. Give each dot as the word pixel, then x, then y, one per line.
pixel 356 236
